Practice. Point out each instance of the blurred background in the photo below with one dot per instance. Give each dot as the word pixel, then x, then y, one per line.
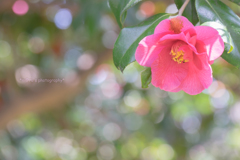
pixel 61 97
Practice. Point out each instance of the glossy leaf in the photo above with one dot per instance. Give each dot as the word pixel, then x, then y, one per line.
pixel 146 77
pixel 212 10
pixel 222 30
pixel 120 7
pixel 128 39
pixel 190 11
pixel 236 1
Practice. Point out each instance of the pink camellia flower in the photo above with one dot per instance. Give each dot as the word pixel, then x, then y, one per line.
pixel 180 55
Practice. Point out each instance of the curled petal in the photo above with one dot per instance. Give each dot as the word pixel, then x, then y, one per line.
pixel 191 32
pixel 200 47
pixel 192 40
pixel 212 40
pixel 181 36
pixel 174 37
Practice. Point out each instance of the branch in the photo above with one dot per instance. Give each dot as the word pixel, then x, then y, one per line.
pixel 181 10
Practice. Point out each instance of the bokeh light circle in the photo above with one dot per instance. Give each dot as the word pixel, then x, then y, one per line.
pixel 36 45
pixel 5 49
pixel 63 18
pixel 20 7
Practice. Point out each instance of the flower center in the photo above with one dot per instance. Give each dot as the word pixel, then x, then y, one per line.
pixel 178 55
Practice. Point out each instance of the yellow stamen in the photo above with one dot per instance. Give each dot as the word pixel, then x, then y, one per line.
pixel 178 56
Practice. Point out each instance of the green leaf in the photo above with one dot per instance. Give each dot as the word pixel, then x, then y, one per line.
pixel 146 77
pixel 190 11
pixel 236 1
pixel 120 7
pixel 128 39
pixel 212 10
pixel 222 30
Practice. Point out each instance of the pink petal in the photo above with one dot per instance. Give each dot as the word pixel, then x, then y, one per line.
pixel 212 40
pixel 148 49
pixel 176 89
pixel 211 62
pixel 186 23
pixel 200 46
pixel 173 37
pixel 165 25
pixel 188 36
pixel 190 31
pixel 166 73
pixel 199 76
pixel 193 40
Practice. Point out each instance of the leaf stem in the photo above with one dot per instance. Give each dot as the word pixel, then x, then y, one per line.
pixel 183 7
